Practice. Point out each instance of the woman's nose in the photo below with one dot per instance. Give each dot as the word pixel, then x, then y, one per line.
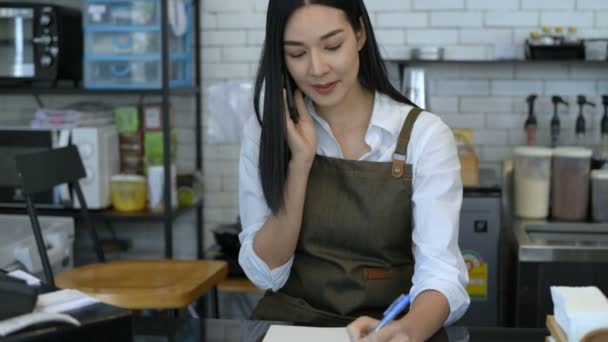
pixel 318 65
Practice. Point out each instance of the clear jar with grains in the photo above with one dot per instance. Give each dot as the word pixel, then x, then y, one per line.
pixel 570 185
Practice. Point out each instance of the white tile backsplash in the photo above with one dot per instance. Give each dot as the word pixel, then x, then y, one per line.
pixel 462 87
pixel 492 5
pixel 591 4
pixel 432 37
pixel 548 4
pixel 567 18
pixel 506 88
pixel 512 19
pixel 456 19
pixel 401 20
pixel 588 88
pixel 435 4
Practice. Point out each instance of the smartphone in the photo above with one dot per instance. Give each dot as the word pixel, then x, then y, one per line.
pixel 291 103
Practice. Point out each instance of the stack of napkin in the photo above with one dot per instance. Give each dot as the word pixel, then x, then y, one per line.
pixel 579 310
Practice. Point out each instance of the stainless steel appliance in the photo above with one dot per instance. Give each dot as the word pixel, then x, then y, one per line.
pixel 479 241
pixel 40 42
pixel 556 254
pixel 549 253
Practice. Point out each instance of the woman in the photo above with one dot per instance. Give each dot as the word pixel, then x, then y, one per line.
pixel 337 206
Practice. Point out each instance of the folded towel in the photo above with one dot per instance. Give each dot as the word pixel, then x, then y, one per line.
pixel 579 310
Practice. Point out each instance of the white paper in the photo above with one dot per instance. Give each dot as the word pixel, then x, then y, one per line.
pixel 281 333
pixel 63 300
pixel 579 310
pixel 17 323
pixel 29 279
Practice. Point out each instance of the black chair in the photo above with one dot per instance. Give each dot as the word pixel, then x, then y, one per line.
pixel 42 171
pixel 130 284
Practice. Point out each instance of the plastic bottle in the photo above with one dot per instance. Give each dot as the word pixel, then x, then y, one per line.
pixel 581 139
pixel 559 37
pixel 555 122
pixel 534 38
pixel 546 38
pixel 531 123
pixel 571 36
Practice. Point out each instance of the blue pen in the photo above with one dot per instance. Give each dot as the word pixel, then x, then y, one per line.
pixel 396 308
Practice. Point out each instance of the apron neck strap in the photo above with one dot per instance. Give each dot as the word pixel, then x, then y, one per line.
pixel 399 157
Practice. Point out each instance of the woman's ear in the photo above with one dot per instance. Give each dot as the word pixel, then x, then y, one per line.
pixel 361 35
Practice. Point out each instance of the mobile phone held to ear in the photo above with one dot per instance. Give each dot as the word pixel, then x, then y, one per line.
pixel 291 103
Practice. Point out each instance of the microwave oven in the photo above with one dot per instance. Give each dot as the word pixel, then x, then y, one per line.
pixel 98 148
pixel 40 42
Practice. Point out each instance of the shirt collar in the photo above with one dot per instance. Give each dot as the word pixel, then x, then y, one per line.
pixel 385 114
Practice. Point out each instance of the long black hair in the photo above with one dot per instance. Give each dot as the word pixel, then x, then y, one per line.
pixel 274 151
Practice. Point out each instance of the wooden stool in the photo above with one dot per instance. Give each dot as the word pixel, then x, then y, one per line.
pixel 234 284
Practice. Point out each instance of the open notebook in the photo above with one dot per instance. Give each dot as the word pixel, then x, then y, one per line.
pixel 50 307
pixel 281 333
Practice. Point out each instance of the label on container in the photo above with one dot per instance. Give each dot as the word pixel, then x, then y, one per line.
pixel 96 11
pixel 478 275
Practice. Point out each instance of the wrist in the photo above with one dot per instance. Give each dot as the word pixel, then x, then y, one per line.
pixel 408 327
pixel 301 163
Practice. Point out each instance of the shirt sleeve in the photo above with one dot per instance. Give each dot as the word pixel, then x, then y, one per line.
pixel 437 198
pixel 254 213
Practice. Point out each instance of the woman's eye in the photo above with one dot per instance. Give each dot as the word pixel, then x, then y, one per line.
pixel 296 55
pixel 334 47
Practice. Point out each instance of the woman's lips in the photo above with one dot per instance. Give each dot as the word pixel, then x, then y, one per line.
pixel 325 89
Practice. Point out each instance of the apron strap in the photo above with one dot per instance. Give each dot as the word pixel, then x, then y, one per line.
pixel 399 157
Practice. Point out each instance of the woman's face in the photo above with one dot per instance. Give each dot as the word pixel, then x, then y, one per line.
pixel 322 53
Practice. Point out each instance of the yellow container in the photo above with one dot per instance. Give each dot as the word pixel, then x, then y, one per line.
pixel 128 192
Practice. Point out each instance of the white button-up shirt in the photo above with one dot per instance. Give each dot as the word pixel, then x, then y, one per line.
pixel 437 197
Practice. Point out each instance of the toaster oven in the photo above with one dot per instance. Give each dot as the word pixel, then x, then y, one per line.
pixel 40 42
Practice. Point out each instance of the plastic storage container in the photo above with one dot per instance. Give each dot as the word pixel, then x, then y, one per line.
pixel 532 177
pixel 129 192
pixel 571 171
pixel 128 12
pixel 131 73
pixel 123 44
pixel 126 43
pixel 599 195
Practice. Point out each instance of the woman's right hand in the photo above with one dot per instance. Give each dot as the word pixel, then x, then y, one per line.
pixel 301 136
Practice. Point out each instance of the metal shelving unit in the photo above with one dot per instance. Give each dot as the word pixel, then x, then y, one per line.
pixel 169 214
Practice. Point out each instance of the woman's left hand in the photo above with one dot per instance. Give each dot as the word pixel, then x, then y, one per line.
pixel 361 330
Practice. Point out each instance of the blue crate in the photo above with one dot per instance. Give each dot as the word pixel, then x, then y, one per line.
pixel 124 52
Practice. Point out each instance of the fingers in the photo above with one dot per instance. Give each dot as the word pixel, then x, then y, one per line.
pixel 300 105
pixel 389 332
pixel 360 328
pixel 286 110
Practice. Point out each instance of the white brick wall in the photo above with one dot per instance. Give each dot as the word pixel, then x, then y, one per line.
pixel 490 98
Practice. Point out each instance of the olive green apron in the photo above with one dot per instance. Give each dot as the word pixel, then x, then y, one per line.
pixel 354 254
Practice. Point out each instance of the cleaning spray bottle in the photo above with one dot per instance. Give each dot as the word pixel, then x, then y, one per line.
pixel 530 125
pixel 555 123
pixel 581 139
